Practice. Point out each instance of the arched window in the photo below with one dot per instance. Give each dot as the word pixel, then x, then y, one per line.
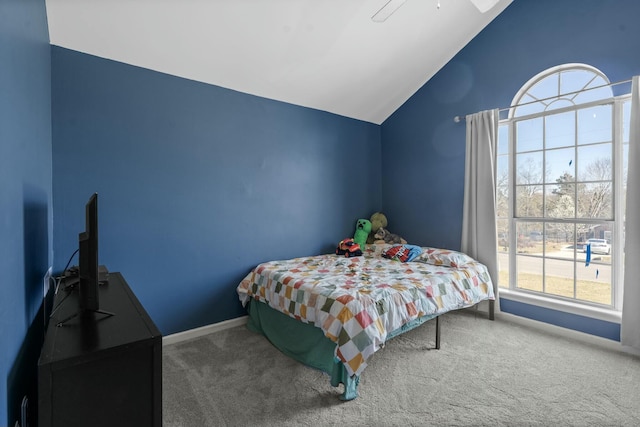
pixel 561 163
pixel 562 86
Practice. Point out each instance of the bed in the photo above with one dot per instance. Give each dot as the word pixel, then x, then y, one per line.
pixel 333 312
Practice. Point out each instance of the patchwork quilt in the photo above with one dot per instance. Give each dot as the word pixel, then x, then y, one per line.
pixel 358 301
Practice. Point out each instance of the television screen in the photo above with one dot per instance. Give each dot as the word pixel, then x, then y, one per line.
pixel 88 258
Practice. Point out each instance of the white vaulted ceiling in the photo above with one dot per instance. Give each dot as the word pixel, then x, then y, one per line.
pixel 324 54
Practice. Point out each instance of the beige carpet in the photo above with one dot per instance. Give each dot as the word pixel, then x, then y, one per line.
pixel 486 374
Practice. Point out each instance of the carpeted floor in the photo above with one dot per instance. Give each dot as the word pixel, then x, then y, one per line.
pixel 486 374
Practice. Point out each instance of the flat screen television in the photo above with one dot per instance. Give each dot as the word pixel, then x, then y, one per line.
pixel 88 288
pixel 89 275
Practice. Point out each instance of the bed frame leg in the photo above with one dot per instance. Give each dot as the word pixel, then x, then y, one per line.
pixel 492 310
pixel 438 333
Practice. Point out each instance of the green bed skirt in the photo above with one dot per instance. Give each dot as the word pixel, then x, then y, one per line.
pixel 307 343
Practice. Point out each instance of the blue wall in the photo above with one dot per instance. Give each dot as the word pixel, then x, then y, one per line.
pixel 425 201
pixel 25 195
pixel 601 328
pixel 197 184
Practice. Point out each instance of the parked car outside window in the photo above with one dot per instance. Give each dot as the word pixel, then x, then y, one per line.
pixel 598 246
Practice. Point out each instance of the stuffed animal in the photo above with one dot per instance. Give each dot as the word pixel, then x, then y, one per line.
pixel 363 228
pixel 385 236
pixel 378 220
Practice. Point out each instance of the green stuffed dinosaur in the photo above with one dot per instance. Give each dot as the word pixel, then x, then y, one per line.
pixel 363 228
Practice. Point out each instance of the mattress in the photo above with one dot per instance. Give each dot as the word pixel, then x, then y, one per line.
pixel 357 302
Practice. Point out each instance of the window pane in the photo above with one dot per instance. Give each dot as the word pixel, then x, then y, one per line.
pixel 595 200
pixel 545 88
pixel 559 240
pixel 601 243
pixel 574 80
pixel 528 201
pixel 593 95
pixel 502 187
pixel 594 280
pixel 529 135
pixel 529 273
pixel 594 124
pixel 525 108
pixel 503 235
pixel 583 232
pixel 560 201
pixel 559 277
pixel 560 165
pixel 626 120
pixel 503 252
pixel 625 167
pixel 560 130
pixel 601 247
pixel 594 162
pixel 529 168
pixel 529 237
pixel 503 139
pixel 594 284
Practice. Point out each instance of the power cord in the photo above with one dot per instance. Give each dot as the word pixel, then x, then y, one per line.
pixel 58 281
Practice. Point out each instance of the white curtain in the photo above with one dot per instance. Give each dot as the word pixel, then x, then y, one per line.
pixel 479 236
pixel 630 327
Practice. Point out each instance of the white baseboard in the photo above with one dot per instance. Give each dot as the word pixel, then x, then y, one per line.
pixel 204 330
pixel 544 327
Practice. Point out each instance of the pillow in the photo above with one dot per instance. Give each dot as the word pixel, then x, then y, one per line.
pixel 446 257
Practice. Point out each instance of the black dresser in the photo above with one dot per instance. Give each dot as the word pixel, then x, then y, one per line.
pixel 99 369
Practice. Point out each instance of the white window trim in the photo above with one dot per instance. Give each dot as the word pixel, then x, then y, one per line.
pixel 548 72
pixel 610 314
pixel 581 309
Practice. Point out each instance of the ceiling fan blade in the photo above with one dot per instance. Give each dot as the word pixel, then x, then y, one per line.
pixel 484 5
pixel 387 10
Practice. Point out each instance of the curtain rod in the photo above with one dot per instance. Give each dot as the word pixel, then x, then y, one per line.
pixel 458 119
